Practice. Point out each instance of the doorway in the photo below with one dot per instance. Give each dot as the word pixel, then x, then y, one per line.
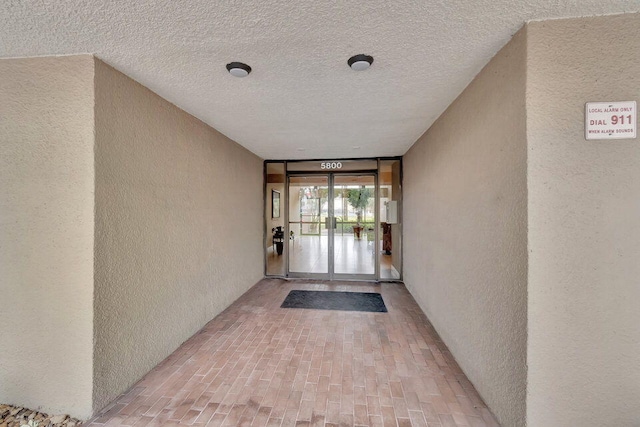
pixel 329 224
pixel 332 226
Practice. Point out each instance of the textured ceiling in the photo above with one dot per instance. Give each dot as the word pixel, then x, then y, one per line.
pixel 301 100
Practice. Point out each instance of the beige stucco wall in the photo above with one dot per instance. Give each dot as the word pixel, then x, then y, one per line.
pixel 465 221
pixel 178 228
pixel 46 233
pixel 584 227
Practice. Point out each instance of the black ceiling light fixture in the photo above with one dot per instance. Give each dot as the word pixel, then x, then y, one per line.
pixel 360 62
pixel 238 69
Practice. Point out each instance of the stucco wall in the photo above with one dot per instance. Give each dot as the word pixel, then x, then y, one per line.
pixel 465 221
pixel 178 228
pixel 584 227
pixel 46 233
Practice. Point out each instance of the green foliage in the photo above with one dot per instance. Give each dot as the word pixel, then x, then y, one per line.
pixel 359 198
pixel 347 227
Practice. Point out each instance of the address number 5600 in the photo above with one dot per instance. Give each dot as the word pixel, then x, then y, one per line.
pixel 331 165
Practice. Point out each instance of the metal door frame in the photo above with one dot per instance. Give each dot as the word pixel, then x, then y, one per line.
pixel 295 274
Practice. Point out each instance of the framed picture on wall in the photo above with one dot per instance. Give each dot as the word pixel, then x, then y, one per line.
pixel 275 204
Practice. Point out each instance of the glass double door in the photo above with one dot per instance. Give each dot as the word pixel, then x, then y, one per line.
pixel 332 226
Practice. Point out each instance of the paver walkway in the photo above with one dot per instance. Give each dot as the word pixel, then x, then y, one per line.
pixel 257 364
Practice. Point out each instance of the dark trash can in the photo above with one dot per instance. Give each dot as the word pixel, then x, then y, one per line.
pixel 278 239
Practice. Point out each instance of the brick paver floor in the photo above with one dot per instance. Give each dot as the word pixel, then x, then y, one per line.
pixel 257 364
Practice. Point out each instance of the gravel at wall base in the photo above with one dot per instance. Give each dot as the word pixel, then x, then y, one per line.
pixel 16 416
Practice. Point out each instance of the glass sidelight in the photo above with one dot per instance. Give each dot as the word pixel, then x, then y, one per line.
pixel 390 217
pixel 275 203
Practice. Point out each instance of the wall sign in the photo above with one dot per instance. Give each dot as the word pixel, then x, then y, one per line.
pixel 330 165
pixel 610 120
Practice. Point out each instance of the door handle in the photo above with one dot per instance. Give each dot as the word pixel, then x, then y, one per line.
pixel 335 223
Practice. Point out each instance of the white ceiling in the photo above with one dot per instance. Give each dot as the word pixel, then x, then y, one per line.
pixel 301 100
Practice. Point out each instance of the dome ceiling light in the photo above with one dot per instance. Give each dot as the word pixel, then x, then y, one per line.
pixel 360 62
pixel 238 69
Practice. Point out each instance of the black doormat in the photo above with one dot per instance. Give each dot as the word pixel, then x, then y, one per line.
pixel 331 300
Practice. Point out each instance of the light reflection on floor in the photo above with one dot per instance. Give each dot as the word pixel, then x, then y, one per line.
pixel 309 254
